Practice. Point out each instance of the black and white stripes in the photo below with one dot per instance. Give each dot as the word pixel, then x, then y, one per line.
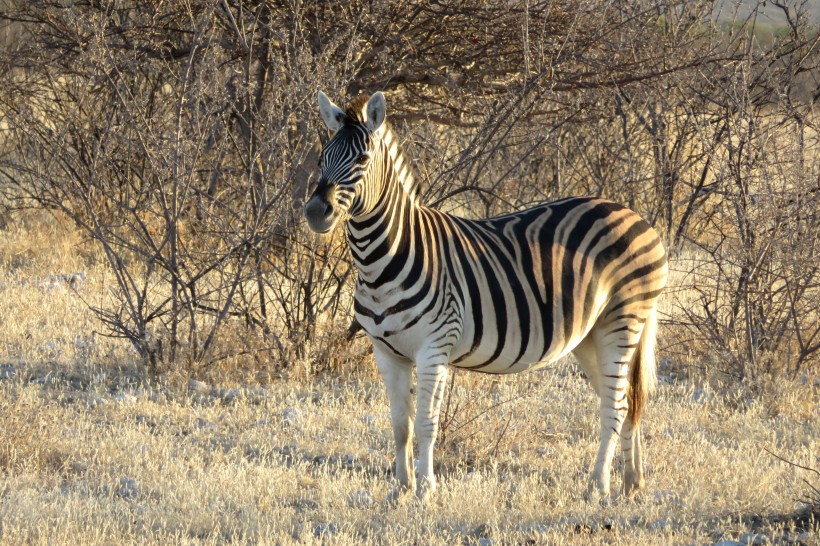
pixel 500 295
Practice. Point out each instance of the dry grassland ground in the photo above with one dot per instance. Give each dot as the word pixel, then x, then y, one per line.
pixel 92 451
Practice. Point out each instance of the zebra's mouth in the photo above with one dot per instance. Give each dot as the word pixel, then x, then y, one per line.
pixel 321 217
pixel 323 228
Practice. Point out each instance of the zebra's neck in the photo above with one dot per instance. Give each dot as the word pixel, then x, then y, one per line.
pixel 391 227
pixel 401 169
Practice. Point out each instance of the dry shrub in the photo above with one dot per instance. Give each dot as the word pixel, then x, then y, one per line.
pixel 182 138
pixel 747 292
pixel 481 417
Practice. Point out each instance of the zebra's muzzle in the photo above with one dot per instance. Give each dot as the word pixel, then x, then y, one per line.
pixel 320 215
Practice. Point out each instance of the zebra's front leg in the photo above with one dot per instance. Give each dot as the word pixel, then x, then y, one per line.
pixel 398 376
pixel 431 378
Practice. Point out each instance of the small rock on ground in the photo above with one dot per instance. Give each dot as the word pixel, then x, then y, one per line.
pixel 666 496
pixel 325 529
pixel 701 396
pixel 229 396
pixel 198 386
pixel 128 488
pixel 359 499
pixel 291 415
pixel 754 539
pixel 125 398
pixel 96 402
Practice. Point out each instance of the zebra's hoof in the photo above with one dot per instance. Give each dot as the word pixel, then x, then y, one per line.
pixel 425 491
pixel 595 493
pixel 633 484
pixel 397 494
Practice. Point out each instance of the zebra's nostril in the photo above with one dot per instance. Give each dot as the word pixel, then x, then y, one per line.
pixel 318 209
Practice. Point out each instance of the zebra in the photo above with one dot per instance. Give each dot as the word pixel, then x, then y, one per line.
pixel 498 295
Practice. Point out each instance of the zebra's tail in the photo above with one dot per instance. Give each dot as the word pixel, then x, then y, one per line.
pixel 642 376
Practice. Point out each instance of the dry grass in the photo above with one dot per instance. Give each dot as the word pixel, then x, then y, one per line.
pixel 94 452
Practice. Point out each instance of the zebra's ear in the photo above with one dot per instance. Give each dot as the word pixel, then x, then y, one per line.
pixel 375 111
pixel 332 115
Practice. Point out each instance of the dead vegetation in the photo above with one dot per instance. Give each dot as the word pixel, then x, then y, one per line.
pixel 98 450
pixel 182 137
pixel 153 158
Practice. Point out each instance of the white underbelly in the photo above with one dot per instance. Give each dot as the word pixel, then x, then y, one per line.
pixel 484 359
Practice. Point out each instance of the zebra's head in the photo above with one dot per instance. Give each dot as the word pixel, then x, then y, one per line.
pixel 348 157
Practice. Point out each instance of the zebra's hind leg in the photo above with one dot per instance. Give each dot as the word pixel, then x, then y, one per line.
pixel 398 379
pixel 642 382
pixel 615 345
pixel 606 381
pixel 633 464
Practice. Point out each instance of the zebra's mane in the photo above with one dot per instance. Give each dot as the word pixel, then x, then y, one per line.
pixel 356 113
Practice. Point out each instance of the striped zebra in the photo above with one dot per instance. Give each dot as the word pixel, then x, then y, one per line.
pixel 500 295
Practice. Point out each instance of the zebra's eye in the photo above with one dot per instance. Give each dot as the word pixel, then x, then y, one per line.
pixel 362 159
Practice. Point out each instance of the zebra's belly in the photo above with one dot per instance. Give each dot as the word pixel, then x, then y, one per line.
pixel 481 341
pixel 407 335
pixel 511 359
